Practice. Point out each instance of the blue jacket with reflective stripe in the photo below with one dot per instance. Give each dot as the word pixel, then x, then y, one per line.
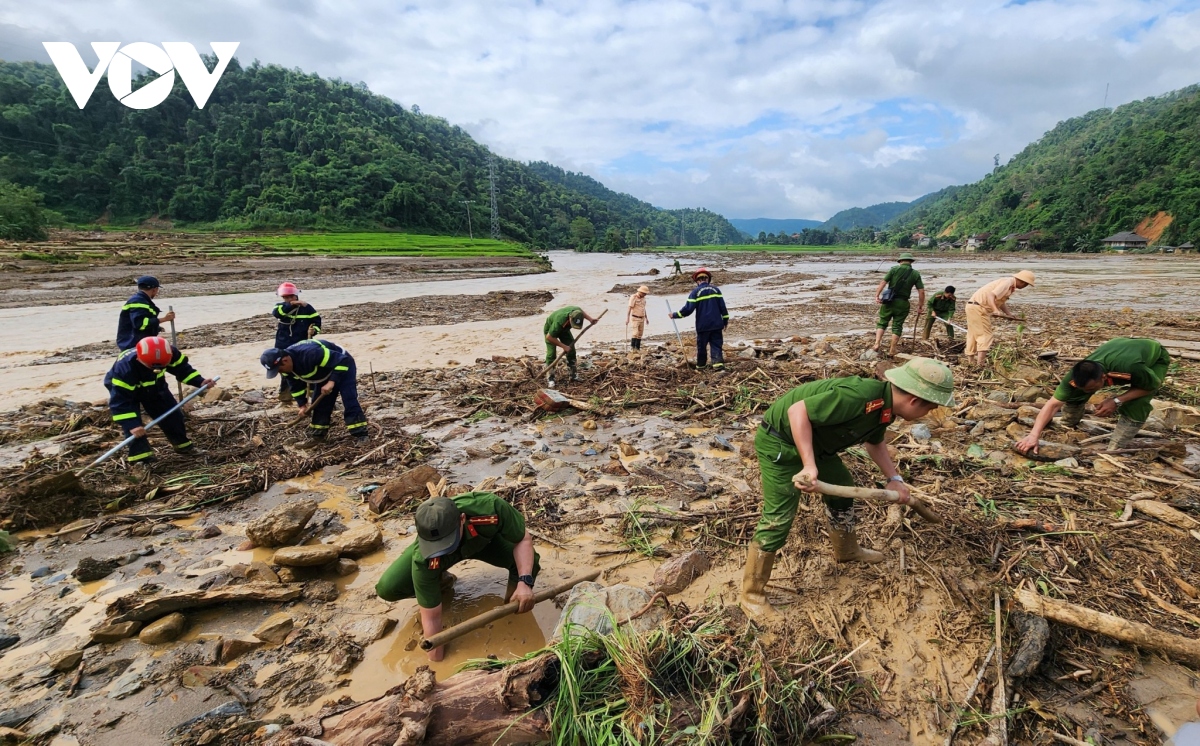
pixel 317 361
pixel 709 305
pixel 139 319
pixel 294 322
pixel 129 382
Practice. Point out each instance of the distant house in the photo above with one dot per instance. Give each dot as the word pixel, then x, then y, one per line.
pixel 1124 241
pixel 976 241
pixel 1186 248
pixel 1021 240
pixel 925 242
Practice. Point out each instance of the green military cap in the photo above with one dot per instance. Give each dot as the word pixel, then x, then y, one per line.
pixel 576 318
pixel 929 379
pixel 439 524
pixel 906 257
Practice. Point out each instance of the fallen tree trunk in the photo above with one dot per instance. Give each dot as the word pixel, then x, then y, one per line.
pixel 136 609
pixel 1135 633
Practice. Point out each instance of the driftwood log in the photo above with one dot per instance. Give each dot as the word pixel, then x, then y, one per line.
pixel 139 609
pixel 1180 648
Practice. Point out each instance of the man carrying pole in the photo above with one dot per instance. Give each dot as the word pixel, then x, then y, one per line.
pixel 557 333
pixel 711 319
pixel 892 295
pixel 940 306
pixel 473 525
pixel 139 316
pixel 798 443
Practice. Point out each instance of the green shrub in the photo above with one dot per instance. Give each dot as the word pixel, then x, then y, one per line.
pixel 22 217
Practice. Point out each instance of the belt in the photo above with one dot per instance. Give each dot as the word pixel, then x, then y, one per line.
pixel 773 432
pixel 639 317
pixel 973 303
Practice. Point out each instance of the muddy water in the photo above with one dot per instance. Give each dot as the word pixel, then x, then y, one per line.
pixel 580 279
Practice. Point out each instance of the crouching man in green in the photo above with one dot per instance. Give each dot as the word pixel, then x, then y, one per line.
pixel 473 525
pixel 802 434
pixel 1140 364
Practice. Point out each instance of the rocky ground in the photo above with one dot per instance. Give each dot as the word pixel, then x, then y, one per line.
pixel 650 469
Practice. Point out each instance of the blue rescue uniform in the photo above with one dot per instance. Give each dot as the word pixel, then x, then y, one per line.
pixel 295 323
pixel 133 387
pixel 712 317
pixel 138 320
pixel 313 363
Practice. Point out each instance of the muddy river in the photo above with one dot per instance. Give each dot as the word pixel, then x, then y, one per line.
pixel 578 279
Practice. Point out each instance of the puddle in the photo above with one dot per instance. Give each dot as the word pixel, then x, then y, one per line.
pixel 14 588
pixel 94 587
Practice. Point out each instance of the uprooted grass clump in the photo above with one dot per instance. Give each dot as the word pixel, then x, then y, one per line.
pixel 702 677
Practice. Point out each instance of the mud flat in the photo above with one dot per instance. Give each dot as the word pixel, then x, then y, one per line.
pixel 660 463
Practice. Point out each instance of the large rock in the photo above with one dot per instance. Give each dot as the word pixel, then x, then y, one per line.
pixel 281 525
pixel 276 628
pixel 115 632
pixel 66 660
pixel 678 573
pixel 1029 393
pixel 360 541
pixel 368 629
pixel 235 648
pixel 90 570
pixel 600 609
pixel 306 556
pixel 167 629
pixel 406 488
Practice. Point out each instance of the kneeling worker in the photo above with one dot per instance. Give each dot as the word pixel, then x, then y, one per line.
pixel 473 525
pixel 803 432
pixel 314 362
pixel 137 381
pixel 1140 364
pixel 557 332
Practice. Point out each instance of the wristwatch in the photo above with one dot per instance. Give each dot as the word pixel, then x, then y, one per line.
pixel 527 580
pixel 1117 400
pixel 896 478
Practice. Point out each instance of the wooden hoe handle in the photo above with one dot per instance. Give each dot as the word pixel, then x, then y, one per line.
pixel 865 493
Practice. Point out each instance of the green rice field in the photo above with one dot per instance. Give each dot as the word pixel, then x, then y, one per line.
pixel 383 244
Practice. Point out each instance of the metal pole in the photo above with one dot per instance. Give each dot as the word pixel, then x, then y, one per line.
pixel 175 344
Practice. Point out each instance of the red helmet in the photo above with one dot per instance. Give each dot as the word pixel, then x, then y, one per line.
pixel 154 352
pixel 702 271
pixel 287 288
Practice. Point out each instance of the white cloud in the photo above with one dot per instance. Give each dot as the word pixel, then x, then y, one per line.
pixel 748 107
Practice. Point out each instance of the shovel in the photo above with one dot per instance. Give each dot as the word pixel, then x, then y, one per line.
pixel 67 481
pixel 864 493
pixel 547 368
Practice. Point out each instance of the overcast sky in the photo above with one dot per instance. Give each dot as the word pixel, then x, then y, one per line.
pixel 753 109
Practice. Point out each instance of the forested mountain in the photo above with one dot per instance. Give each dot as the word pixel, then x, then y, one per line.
pixel 277 148
pixel 1133 167
pixel 875 216
pixel 753 226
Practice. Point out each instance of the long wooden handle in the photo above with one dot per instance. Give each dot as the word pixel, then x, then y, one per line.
pixel 866 493
pixel 297 418
pixel 175 344
pixel 559 359
pixel 474 623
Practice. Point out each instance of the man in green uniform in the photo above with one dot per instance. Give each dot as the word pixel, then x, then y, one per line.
pixel 899 281
pixel 474 525
pixel 801 435
pixel 940 306
pixel 1140 364
pixel 678 269
pixel 557 331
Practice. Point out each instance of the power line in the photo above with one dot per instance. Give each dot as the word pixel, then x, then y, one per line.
pixel 495 209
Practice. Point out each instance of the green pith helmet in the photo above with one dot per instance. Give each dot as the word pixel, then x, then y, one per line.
pixel 906 257
pixel 929 379
pixel 576 318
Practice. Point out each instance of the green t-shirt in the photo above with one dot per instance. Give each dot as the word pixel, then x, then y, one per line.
pixel 843 412
pixel 559 321
pixel 1127 362
pixel 941 305
pixel 488 517
pixel 902 278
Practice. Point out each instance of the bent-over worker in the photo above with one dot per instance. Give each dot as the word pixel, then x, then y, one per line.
pixel 139 316
pixel 637 314
pixel 473 525
pixel 940 306
pixel 899 281
pixel 988 301
pixel 803 432
pixel 557 333
pixel 298 321
pixel 137 382
pixel 711 319
pixel 1140 364
pixel 316 362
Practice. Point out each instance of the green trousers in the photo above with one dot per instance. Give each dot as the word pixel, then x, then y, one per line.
pixel 397 581
pixel 552 350
pixel 929 321
pixel 895 311
pixel 778 462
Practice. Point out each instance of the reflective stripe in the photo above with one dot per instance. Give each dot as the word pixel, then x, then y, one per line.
pixel 324 361
pixel 306 316
pixel 195 374
pixel 357 424
pixel 122 384
pixel 182 359
pixel 145 322
pixel 184 445
pixel 126 416
pixel 340 367
pixel 319 427
pixel 297 394
pixel 128 306
pixel 139 457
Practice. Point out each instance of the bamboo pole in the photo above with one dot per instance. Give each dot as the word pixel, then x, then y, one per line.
pixel 865 493
pixel 1135 633
pixel 486 618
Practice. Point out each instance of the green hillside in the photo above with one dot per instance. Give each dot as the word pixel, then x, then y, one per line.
pixel 277 148
pixel 875 216
pixel 1137 166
